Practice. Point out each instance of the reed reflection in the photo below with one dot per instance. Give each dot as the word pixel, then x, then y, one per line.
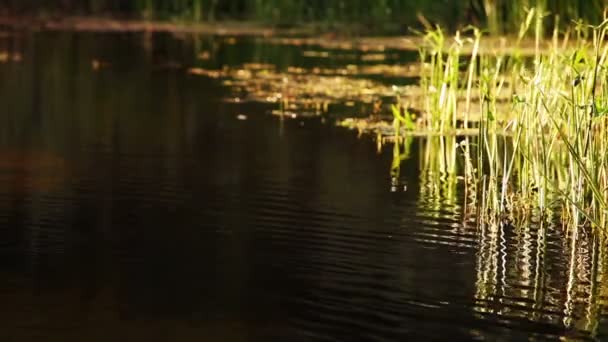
pixel 530 269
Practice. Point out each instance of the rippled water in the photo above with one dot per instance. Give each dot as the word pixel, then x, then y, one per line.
pixel 136 205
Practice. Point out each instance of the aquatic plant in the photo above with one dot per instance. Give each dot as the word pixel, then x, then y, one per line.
pixel 546 149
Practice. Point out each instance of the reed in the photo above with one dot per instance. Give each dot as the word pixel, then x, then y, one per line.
pixel 545 150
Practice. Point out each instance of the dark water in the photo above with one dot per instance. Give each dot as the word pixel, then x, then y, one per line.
pixel 134 205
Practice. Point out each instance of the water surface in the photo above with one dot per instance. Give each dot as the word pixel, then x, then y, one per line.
pixel 136 205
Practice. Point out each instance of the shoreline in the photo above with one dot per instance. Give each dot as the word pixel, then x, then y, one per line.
pixel 106 24
pixel 299 35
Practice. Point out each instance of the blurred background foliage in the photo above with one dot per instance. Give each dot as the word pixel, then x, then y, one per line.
pixel 500 16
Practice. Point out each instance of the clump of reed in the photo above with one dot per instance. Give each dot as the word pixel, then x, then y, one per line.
pixel 545 149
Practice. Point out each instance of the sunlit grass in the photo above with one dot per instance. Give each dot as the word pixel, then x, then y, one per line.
pixel 544 150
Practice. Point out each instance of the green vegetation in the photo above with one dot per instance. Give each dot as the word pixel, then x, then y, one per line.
pixel 500 16
pixel 541 121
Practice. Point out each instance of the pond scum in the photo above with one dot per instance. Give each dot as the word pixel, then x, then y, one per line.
pixel 535 129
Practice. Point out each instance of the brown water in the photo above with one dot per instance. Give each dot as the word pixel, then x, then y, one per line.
pixel 135 205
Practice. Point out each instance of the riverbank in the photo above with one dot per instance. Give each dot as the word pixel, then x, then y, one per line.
pixel 103 24
pixel 339 37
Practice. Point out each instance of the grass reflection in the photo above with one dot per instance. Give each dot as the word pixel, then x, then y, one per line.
pixel 532 268
pixel 438 172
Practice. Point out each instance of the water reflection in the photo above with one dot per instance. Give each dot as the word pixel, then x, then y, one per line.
pixel 134 204
pixel 519 273
pixel 530 273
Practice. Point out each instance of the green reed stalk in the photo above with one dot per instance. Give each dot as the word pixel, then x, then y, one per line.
pixel 471 75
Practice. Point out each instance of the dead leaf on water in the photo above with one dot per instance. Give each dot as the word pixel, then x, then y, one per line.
pixel 316 54
pixel 205 55
pixel 205 72
pixel 6 57
pixel 300 89
pixel 97 64
pixel 373 57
